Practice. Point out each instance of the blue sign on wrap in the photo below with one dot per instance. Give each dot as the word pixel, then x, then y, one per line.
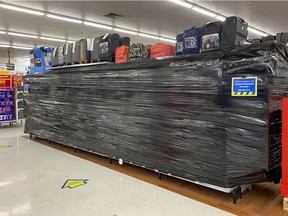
pixel 244 86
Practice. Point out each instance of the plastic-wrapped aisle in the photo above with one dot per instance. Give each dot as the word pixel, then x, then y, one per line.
pixel 175 115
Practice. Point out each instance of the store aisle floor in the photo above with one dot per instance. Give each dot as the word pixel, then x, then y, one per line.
pixel 31 177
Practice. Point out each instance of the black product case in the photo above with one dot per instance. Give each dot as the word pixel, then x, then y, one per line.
pixel 107 46
pixel 282 37
pixel 235 30
pixel 211 36
pixel 125 41
pixel 269 38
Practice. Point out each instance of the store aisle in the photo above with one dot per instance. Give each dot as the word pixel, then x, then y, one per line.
pixel 31 177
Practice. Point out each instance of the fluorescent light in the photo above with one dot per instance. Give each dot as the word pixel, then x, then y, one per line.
pixel 2 32
pixel 97 25
pixel 22 35
pixel 148 36
pixel 64 18
pixel 125 31
pixel 52 39
pixel 182 3
pixel 20 9
pixel 23 59
pixel 255 31
pixel 22 47
pixel 70 41
pixel 168 40
pixel 5 45
pixel 204 11
pixel 221 18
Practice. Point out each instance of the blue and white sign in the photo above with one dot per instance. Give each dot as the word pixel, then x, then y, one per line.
pixel 244 86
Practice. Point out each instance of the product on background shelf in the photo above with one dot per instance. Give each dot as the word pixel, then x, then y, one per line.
pixel 107 46
pixel 76 52
pixel 40 60
pixel 95 42
pixel 192 40
pixel 54 59
pixel 185 116
pixel 68 53
pixel 60 55
pixel 282 37
pixel 161 50
pixel 85 50
pixel 211 36
pixel 125 41
pixel 179 44
pixel 268 38
pixel 138 52
pixel 235 31
pixel 121 54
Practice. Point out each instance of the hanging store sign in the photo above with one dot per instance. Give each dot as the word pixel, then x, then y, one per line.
pixel 10 66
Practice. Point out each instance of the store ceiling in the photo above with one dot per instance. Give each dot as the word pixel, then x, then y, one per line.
pixel 157 17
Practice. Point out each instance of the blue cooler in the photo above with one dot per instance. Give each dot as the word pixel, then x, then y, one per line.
pixel 192 40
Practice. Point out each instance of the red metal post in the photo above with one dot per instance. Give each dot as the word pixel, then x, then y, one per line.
pixel 284 184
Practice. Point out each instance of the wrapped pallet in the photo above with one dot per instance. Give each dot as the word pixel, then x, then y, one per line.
pixel 213 118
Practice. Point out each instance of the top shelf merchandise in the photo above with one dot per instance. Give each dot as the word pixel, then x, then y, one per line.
pixel 8 101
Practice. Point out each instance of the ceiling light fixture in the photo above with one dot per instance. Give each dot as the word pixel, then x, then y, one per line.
pixel 97 25
pixel 148 36
pixel 22 47
pixel 182 3
pixel 22 35
pixel 125 31
pixel 204 11
pixel 5 45
pixel 168 40
pixel 70 41
pixel 2 32
pixel 52 39
pixel 256 31
pixel 21 9
pixel 64 18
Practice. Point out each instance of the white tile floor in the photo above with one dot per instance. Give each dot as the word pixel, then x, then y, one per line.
pixel 31 177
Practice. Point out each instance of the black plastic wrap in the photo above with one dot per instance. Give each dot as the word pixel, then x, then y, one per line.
pixel 175 115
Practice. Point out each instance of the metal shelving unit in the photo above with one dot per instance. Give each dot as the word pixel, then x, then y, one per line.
pixel 19 97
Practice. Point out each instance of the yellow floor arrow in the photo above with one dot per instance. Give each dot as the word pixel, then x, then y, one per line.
pixel 4 146
pixel 72 183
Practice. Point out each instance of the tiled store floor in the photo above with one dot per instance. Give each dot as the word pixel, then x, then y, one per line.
pixel 32 176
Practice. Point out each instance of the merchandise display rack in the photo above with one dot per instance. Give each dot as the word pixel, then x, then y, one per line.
pixel 7 105
pixel 19 109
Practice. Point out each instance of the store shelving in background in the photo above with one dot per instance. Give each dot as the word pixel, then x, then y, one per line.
pixel 7 105
pixel 19 105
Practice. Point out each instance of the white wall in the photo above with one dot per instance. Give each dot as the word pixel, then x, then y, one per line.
pixel 4 60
